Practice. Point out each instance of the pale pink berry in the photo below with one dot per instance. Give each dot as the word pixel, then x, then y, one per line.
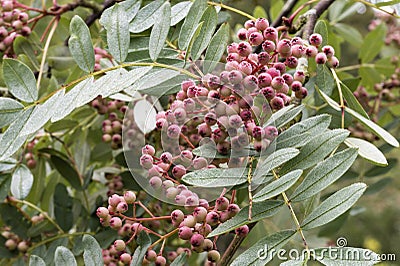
pixel 268 46
pixel 321 58
pixel 242 230
pixel 255 39
pixel 261 24
pixel 270 34
pixel 244 49
pixel 315 39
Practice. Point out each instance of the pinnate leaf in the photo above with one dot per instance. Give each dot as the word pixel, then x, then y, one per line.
pixel 20 80
pixel 334 206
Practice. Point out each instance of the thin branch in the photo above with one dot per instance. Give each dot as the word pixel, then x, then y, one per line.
pixel 232 248
pixel 92 18
pixel 312 16
pixel 287 8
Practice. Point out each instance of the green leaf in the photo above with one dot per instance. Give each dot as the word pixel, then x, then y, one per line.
pixel 349 11
pixel 322 29
pixel 154 79
pixel 334 206
pixel 281 115
pixel 36 261
pixel 300 133
pixel 325 81
pixel 132 7
pixel 352 101
pixel 144 241
pixel 278 186
pixel 192 39
pixel 80 44
pixel 316 149
pixel 209 150
pixel 378 186
pixel 67 171
pixel 13 218
pixel 349 33
pixel 70 99
pixel 64 257
pixel 274 160
pixel 260 211
pixel 160 31
pixel 7 164
pixel 337 256
pixel 379 170
pixel 20 80
pixel 49 256
pixel 216 177
pixel 145 116
pixel 276 8
pixel 5 183
pixel 11 140
pixel 191 23
pixel 21 182
pixel 9 110
pixel 367 150
pixel 216 48
pixel 63 207
pixel 179 12
pixel 259 12
pixel 22 45
pixel 369 75
pixel 92 253
pixel 40 228
pixel 118 37
pixel 264 249
pixel 146 17
pixel 372 44
pixel 366 122
pixel 286 117
pixel 324 174
pixel 42 113
pixel 210 19
pixel 180 260
pixel 374 128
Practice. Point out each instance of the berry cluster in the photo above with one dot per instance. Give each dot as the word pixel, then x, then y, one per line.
pixel 13 242
pixel 29 155
pixel 99 54
pixel 13 23
pixel 193 228
pixel 114 110
pixel 392 24
pixel 114 183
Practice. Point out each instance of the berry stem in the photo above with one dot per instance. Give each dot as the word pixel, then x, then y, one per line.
pixel 145 208
pixel 163 237
pixel 187 140
pixel 39 210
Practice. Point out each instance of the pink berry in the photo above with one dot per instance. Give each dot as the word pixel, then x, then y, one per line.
pixel 242 231
pixel 244 49
pixel 261 24
pixel 315 39
pixel 125 258
pixel 212 218
pixel 241 34
pixel 197 240
pixel 255 39
pixel 222 203
pixel 119 245
pixel 328 50
pixel 321 58
pixel 185 232
pixel 270 34
pixel 178 171
pixel 115 223
pixel 129 197
pixel 268 46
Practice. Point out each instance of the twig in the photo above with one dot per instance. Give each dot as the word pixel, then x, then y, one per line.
pixel 312 15
pixel 287 8
pixel 232 248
